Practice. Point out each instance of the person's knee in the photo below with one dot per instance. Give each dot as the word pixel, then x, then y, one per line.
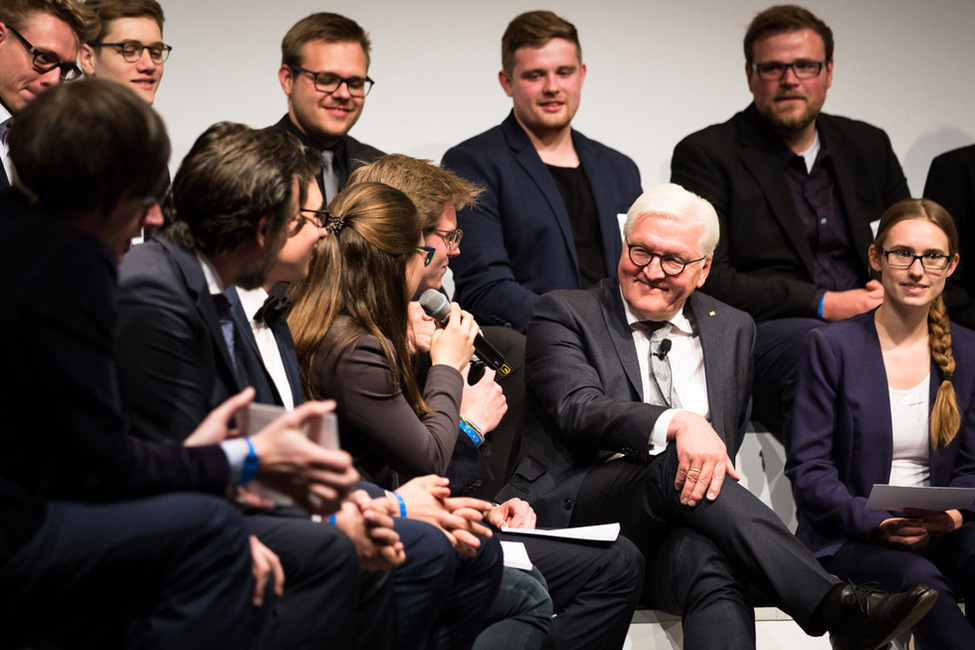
pixel 625 561
pixel 915 569
pixel 524 595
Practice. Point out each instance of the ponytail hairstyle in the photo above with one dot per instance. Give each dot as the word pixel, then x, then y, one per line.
pixel 945 417
pixel 359 271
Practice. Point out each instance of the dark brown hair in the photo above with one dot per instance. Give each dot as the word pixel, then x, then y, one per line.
pixel 535 29
pixel 322 26
pixel 360 272
pixel 781 19
pixel 110 10
pixel 232 177
pixel 79 147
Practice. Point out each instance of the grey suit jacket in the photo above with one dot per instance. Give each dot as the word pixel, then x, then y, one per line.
pixel 585 393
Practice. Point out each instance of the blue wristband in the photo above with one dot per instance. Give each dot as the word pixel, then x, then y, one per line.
pixel 331 519
pixel 402 504
pixel 249 470
pixel 819 312
pixel 472 431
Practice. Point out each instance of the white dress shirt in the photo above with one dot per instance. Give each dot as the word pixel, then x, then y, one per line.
pixel 686 358
pixel 267 345
pixel 6 120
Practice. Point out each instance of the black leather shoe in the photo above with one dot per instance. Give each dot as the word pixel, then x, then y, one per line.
pixel 868 619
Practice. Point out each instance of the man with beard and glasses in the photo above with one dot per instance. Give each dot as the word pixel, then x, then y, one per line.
pixel 796 191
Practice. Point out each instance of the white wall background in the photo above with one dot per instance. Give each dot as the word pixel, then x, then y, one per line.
pixel 658 70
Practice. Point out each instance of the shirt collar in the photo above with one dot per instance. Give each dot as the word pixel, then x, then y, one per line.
pixel 211 275
pixel 679 322
pixel 251 300
pixel 819 149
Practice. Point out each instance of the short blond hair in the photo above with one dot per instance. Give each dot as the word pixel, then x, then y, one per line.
pixel 80 18
pixel 429 186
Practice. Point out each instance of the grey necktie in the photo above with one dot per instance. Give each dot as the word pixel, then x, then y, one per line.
pixel 661 381
pixel 226 325
pixel 329 178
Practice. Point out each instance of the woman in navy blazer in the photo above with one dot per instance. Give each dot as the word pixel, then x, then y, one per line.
pixel 886 397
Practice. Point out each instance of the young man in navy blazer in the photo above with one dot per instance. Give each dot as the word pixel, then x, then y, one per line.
pixel 548 216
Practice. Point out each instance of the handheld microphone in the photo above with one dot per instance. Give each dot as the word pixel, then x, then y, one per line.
pixel 662 351
pixel 437 307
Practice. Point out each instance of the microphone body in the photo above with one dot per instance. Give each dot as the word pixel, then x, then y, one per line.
pixel 437 307
pixel 664 348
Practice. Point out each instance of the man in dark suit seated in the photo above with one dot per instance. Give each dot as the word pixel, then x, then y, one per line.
pixel 951 182
pixel 235 197
pixel 637 393
pixel 797 192
pixel 103 537
pixel 548 216
pixel 324 72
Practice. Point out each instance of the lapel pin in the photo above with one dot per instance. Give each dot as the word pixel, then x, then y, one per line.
pixel 711 313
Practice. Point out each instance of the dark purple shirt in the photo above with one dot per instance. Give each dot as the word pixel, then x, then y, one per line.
pixel 836 266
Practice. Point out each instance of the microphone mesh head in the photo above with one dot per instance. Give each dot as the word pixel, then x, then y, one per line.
pixel 435 304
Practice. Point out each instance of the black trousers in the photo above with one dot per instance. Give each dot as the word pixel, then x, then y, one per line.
pixel 737 543
pixel 594 589
pixel 165 572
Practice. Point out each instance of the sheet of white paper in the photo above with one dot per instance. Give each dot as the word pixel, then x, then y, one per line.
pixel 897 497
pixel 600 533
pixel 516 556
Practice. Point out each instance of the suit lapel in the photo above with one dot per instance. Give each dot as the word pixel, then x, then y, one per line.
pixel 611 304
pixel 719 359
pixel 604 195
pixel 527 158
pixel 763 163
pixel 197 288
pixel 289 357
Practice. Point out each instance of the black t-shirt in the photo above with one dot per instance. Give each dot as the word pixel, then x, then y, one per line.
pixel 577 196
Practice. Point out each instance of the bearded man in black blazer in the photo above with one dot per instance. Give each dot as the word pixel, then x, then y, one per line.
pixel 797 192
pixel 638 389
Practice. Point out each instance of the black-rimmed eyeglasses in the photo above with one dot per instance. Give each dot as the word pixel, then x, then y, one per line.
pixel 317 218
pixel 328 82
pixel 45 62
pixel 671 265
pixel 775 70
pixel 904 259
pixel 132 51
pixel 451 237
